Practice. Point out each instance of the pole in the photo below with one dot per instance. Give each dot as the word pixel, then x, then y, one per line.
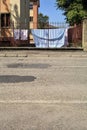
pixel 48 34
pixel 0 18
pixel 29 24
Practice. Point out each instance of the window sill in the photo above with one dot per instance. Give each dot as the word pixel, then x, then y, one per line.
pixel 6 27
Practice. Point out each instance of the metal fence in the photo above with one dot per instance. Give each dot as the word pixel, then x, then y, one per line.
pixel 6 35
pixel 19 34
pixel 75 36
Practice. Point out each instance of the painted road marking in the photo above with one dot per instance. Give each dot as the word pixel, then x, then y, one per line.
pixel 42 102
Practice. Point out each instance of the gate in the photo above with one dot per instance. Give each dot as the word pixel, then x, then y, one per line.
pixel 48 35
pixel 51 35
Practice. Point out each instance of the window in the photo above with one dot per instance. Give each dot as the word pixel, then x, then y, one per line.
pixel 31 19
pixel 5 20
pixel 31 5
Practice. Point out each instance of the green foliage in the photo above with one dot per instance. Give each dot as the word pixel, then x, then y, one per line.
pixel 43 20
pixel 74 10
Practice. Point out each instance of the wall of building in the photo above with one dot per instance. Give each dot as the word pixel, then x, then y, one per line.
pixel 4 6
pixel 35 15
pixel 15 11
pixel 19 12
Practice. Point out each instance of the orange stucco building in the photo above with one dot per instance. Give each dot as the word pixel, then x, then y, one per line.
pixel 17 14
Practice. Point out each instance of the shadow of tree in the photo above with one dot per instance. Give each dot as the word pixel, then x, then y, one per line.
pixel 16 16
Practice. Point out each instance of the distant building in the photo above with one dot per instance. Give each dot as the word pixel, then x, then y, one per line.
pixel 17 14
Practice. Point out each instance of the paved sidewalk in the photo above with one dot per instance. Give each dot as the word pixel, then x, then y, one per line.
pixel 56 53
pixel 42 90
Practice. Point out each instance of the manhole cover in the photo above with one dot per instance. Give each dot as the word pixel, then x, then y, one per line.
pixel 16 78
pixel 21 65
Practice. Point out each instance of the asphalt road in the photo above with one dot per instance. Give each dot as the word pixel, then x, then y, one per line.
pixel 43 90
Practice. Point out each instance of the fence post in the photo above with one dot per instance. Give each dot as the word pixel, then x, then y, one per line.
pixel 84 35
pixel 48 34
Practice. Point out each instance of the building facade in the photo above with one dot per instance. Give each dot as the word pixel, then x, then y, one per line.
pixel 17 14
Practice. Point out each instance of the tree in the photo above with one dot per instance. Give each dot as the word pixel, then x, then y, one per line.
pixel 43 20
pixel 74 10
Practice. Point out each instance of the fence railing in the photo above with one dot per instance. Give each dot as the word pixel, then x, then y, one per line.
pixel 75 35
pixel 19 34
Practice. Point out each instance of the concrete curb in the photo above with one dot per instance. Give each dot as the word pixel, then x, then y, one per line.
pixel 42 49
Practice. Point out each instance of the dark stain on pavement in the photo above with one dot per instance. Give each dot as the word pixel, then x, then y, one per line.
pixel 34 66
pixel 16 79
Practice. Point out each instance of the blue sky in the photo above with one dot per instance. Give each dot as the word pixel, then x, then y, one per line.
pixel 48 7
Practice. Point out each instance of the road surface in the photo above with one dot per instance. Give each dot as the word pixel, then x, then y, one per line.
pixel 42 90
